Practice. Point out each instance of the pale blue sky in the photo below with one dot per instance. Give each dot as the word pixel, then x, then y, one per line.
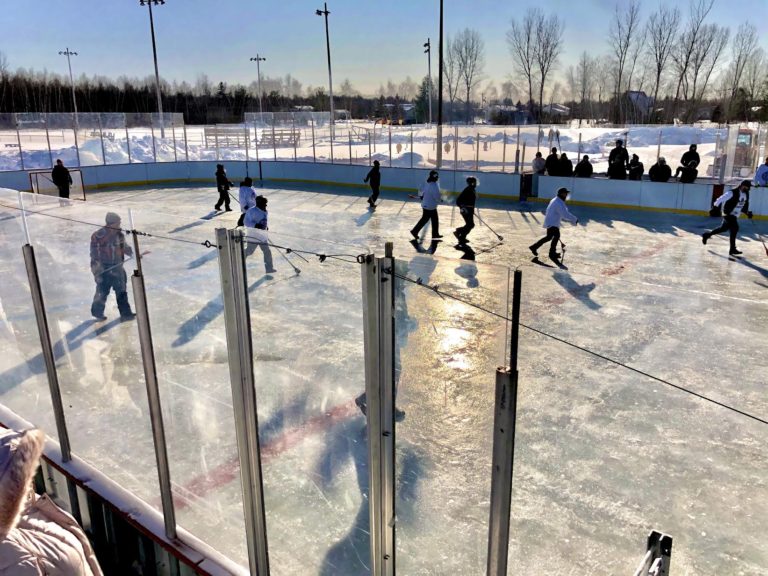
pixel 370 41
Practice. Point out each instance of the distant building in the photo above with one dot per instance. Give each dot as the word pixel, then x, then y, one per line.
pixel 503 114
pixel 556 110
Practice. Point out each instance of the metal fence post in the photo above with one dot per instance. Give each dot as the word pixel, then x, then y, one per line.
pixel 216 139
pixel 128 142
pixel 240 350
pixel 349 137
pixel 390 145
pixel 456 148
pixel 101 136
pixel 314 155
pixel 153 394
pixel 186 144
pixel 294 138
pixel 504 153
pixel 48 140
pixel 411 146
pixel 378 322
pixel 18 143
pixel 504 447
pixel 370 157
pixel 154 145
pixel 274 143
pixel 48 354
pixel 477 152
pixel 173 135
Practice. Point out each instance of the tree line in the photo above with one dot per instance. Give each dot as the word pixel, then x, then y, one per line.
pixel 665 67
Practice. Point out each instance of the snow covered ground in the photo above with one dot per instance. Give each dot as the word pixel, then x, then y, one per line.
pixel 603 454
pixel 361 143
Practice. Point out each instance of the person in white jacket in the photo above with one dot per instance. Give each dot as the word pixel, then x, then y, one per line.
pixel 557 211
pixel 256 231
pixel 37 538
pixel 430 197
pixel 246 197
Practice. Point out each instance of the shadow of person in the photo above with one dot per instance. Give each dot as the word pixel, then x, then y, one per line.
pixel 420 247
pixel 579 291
pixel 364 217
pixel 467 253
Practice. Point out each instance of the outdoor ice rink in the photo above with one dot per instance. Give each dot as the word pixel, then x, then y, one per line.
pixel 603 454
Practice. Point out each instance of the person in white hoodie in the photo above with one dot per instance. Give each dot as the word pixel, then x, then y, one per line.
pixel 430 197
pixel 761 176
pixel 247 198
pixel 256 231
pixel 557 211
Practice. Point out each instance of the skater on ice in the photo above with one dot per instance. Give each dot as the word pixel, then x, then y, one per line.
pixel 222 185
pixel 108 252
pixel 256 227
pixel 430 196
pixel 374 178
pixel 733 203
pixel 247 198
pixel 466 203
pixel 61 178
pixel 557 211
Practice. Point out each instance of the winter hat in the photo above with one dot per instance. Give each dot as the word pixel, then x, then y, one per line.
pixel 375 162
pixel 247 181
pixel 220 166
pixel 261 202
pixel 747 183
pixel 662 160
pixel 19 456
pixel 112 218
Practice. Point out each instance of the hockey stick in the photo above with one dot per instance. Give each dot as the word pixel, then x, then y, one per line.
pixel 760 237
pixel 562 247
pixel 484 223
pixel 295 268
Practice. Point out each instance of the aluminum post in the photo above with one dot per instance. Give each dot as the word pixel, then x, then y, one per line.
pixel 154 147
pixel 18 143
pixel 240 351
pixel 128 143
pixel 216 139
pixel 504 447
pixel 47 349
pixel 456 148
pixel 477 152
pixel 186 147
pixel 101 137
pixel 295 139
pixel 390 145
pixel 48 140
pixel 504 153
pixel 411 146
pixel 274 143
pixel 658 147
pixel 314 155
pixel 349 138
pixel 153 395
pixel 173 135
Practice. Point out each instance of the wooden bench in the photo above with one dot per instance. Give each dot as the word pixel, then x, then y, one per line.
pixel 224 136
pixel 278 138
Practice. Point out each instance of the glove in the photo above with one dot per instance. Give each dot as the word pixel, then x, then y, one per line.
pixel 96 268
pixel 749 214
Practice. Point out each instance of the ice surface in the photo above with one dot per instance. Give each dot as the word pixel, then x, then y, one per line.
pixel 603 454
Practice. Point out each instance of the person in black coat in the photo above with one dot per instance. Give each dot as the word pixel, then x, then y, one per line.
pixel 660 172
pixel 552 164
pixel 222 185
pixel 61 178
pixel 617 162
pixel 584 168
pixel 688 173
pixel 734 203
pixel 691 156
pixel 636 168
pixel 466 203
pixel 374 178
pixel 566 166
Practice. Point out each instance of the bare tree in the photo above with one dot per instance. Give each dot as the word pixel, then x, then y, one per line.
pixel 744 44
pixel 451 71
pixel 585 80
pixel 407 89
pixel 706 53
pixel 470 52
pixel 549 44
pixel 625 27
pixel 683 51
pixel 521 40
pixel 661 30
pixel 754 75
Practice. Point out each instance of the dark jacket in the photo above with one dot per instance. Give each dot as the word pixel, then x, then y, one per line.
pixel 374 175
pixel 108 249
pixel 688 174
pixel 552 165
pixel 660 173
pixel 583 169
pixel 566 167
pixel 690 156
pixel 61 176
pixel 730 204
pixel 222 182
pixel 636 170
pixel 467 198
pixel 617 163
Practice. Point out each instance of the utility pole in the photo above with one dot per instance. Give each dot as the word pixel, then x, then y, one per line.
pixel 428 52
pixel 68 53
pixel 154 53
pixel 439 158
pixel 259 59
pixel 325 13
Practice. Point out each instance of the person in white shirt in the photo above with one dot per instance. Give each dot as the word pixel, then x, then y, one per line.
pixel 761 176
pixel 430 197
pixel 557 211
pixel 256 226
pixel 733 203
pixel 247 198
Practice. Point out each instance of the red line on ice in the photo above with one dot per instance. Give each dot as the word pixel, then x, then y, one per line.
pixel 225 473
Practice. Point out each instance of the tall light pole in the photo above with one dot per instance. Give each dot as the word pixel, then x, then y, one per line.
pixel 428 52
pixel 439 155
pixel 154 53
pixel 325 13
pixel 68 53
pixel 258 77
